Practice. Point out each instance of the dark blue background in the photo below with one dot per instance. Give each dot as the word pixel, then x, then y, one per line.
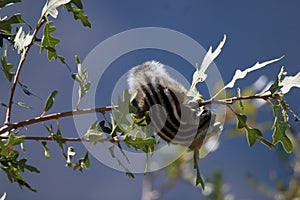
pixel 256 31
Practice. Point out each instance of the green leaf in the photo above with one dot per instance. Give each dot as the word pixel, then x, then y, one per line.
pixel 122 112
pixel 3 105
pixel 113 155
pixel 6 25
pixel 94 133
pixel 30 168
pixel 130 175
pixel 58 138
pixel 63 61
pixel 253 134
pixel 12 166
pixel 51 6
pixel 112 151
pixel 50 130
pixel 86 160
pixel 199 179
pixel 280 128
pixel 78 14
pixel 280 136
pixel 4 3
pixel 50 101
pixel 23 105
pixel 77 3
pixel 51 53
pixel 6 67
pixel 275 87
pixel 48 41
pixel 13 141
pixel 123 152
pixel 144 144
pixel 82 163
pixel 26 91
pixel 113 125
pixel 241 119
pixel 5 36
pixel 78 62
pixel 46 150
pixel 104 128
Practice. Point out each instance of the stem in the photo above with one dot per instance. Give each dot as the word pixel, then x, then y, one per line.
pixel 53 116
pixel 16 78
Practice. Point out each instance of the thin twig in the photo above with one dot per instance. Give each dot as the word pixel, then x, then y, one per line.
pixel 16 78
pixel 233 99
pixel 43 118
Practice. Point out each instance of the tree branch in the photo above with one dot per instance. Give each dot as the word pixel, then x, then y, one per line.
pixel 49 138
pixel 16 78
pixel 43 118
pixel 264 96
pixel 9 127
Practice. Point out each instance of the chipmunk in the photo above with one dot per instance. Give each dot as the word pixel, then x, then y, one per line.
pixel 173 119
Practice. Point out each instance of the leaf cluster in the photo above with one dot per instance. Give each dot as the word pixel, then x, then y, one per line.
pixel 11 164
pixel 12 32
pixel 67 152
pixel 7 23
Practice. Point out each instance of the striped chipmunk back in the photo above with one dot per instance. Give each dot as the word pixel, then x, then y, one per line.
pixel 173 120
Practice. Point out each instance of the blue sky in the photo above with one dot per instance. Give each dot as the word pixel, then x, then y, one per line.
pixel 256 31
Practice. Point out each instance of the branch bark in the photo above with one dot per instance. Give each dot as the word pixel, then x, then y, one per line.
pixel 264 96
pixel 43 118
pixel 9 127
pixel 16 78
